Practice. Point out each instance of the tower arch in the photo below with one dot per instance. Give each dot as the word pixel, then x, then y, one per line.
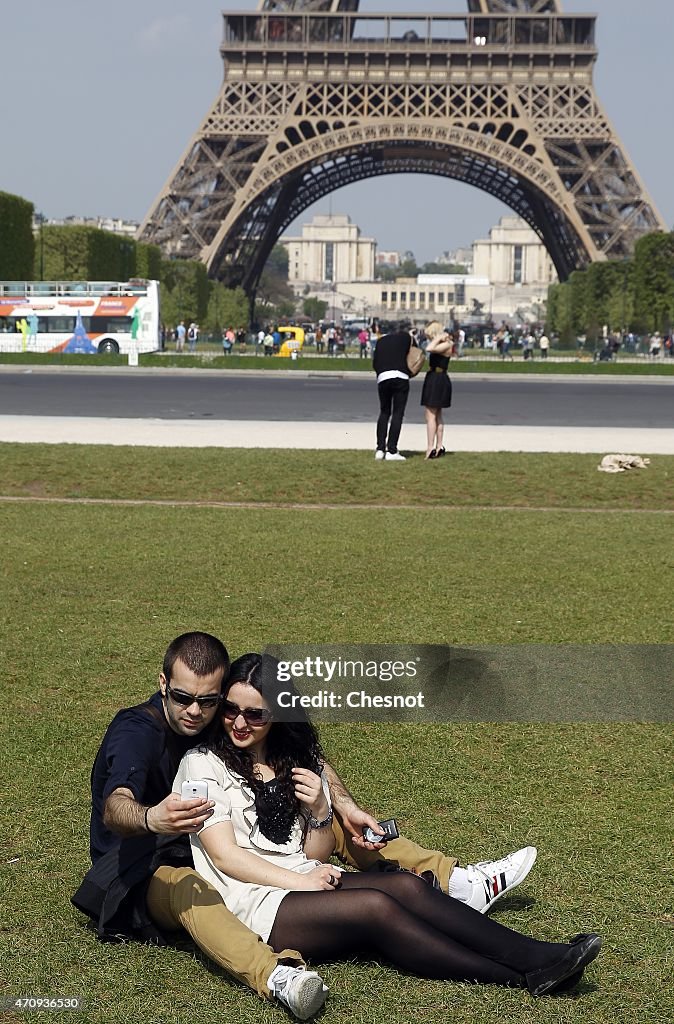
pixel 308 170
pixel 316 96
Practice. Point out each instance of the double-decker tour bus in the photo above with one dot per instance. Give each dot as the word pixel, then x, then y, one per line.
pixel 79 316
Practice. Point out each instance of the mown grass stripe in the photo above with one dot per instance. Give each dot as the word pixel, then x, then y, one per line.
pixel 316 507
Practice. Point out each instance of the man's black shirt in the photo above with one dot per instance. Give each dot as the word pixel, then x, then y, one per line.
pixel 139 752
pixel 391 353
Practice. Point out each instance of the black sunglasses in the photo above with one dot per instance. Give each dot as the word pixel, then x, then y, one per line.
pixel 252 716
pixel 186 699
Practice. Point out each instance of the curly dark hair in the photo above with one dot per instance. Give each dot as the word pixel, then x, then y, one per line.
pixel 290 744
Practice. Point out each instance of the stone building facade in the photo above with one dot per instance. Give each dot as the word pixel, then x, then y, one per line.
pixel 330 250
pixel 510 274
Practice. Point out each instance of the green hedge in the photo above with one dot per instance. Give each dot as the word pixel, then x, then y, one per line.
pixel 81 253
pixel 148 261
pixel 17 246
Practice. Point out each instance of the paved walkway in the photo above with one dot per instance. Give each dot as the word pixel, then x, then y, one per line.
pixel 193 433
pixel 349 436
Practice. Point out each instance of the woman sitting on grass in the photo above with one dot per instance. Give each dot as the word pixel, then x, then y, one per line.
pixel 266 846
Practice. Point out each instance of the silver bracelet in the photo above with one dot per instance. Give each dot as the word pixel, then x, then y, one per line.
pixel 313 824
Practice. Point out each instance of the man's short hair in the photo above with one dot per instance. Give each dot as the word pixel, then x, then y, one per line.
pixel 202 653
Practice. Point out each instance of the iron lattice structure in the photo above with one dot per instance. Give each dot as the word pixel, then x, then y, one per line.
pixel 316 96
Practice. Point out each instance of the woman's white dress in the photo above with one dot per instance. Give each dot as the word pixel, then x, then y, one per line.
pixel 255 905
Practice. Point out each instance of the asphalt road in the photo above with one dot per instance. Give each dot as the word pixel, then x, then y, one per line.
pixel 614 402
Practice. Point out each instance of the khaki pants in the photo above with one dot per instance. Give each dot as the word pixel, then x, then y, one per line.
pixel 180 898
pixel 402 852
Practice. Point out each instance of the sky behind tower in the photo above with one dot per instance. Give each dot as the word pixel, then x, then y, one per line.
pixel 99 101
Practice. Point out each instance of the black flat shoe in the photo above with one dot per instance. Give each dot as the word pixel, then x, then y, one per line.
pixel 582 951
pixel 574 979
pixel 569 983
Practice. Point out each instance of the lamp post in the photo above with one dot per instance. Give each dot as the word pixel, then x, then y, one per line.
pixel 40 219
pixel 624 299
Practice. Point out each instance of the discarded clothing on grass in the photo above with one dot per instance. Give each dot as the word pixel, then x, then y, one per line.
pixel 619 463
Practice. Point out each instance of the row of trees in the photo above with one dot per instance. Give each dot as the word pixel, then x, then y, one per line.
pixel 82 253
pixel 631 295
pixel 69 252
pixel 74 253
pixel 408 267
pixel 625 295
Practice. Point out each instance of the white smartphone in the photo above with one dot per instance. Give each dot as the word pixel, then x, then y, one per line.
pixel 194 790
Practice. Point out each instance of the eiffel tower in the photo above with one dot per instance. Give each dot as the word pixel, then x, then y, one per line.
pixel 317 95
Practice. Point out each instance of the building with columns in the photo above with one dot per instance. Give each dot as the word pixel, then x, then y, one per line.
pixel 513 257
pixel 330 251
pixel 510 274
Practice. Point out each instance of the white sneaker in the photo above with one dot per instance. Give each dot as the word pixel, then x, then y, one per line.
pixel 302 991
pixel 492 878
pixel 394 457
pixel 379 454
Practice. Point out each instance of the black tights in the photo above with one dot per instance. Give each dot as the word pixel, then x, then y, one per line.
pixel 401 918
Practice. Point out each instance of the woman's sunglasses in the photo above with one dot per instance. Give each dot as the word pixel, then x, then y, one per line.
pixel 251 716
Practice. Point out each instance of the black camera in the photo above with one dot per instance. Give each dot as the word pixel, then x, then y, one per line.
pixel 388 827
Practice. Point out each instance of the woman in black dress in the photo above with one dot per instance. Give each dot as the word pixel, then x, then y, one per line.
pixel 436 394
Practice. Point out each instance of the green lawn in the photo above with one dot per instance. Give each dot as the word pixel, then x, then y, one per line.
pixel 331 477
pixel 213 360
pixel 92 593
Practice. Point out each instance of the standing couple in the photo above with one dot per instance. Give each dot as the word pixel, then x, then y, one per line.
pixel 261 840
pixel 390 363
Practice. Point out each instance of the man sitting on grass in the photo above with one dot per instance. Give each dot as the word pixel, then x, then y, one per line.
pixel 142 883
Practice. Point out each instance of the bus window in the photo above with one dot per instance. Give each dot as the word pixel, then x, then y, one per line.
pixel 57 324
pixel 109 324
